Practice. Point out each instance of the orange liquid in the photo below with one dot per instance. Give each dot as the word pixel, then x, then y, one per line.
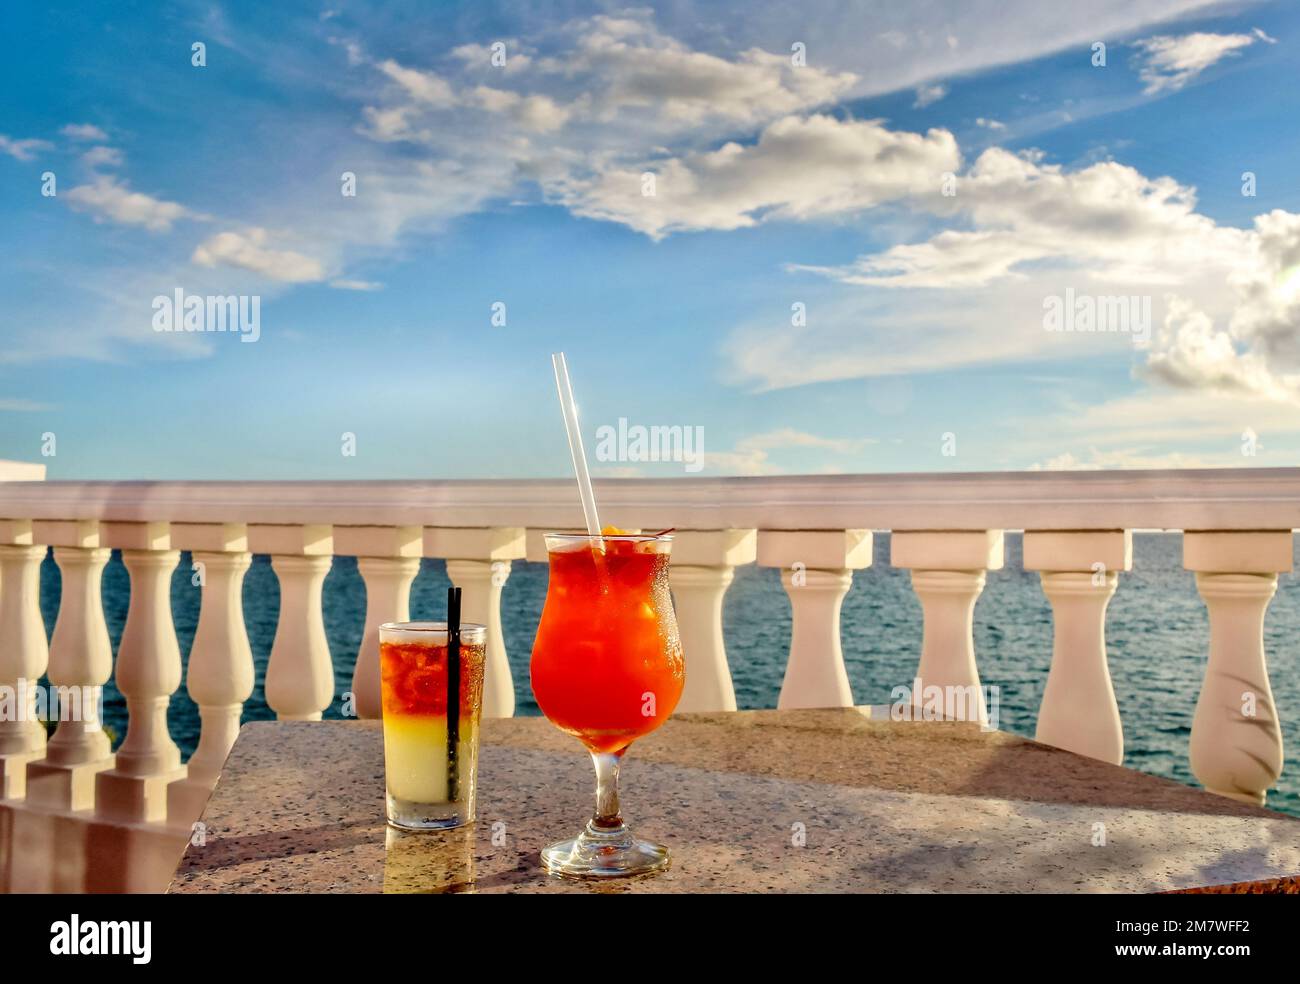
pixel 607 662
pixel 413 679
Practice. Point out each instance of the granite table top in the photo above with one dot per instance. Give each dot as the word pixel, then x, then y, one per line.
pixel 836 800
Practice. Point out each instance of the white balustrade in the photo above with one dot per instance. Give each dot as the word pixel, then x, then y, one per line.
pixel 948 570
pixel 388 558
pixel 24 654
pixel 81 661
pixel 478 562
pixel 1079 571
pixel 148 673
pixel 1236 743
pixel 817 571
pixel 703 565
pixel 300 673
pixel 944 534
pixel 219 674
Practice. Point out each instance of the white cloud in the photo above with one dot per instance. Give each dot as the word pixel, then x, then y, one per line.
pixel 630 64
pixel 800 168
pixel 21 405
pixel 1108 217
pixel 109 199
pixel 589 101
pixel 1191 352
pixel 1162 429
pixel 423 87
pixel 429 107
pixel 1133 458
pixel 1225 301
pixel 366 285
pixel 752 461
pixel 248 252
pixel 23 150
pixel 609 79
pixel 752 455
pixel 989 124
pixel 536 113
pixel 788 437
pixel 84 131
pixel 927 94
pixel 1171 62
pixel 388 125
pixel 588 104
pixel 480 56
pixel 102 157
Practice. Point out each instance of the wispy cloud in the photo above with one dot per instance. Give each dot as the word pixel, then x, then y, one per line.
pixel 20 405
pixel 928 94
pixel 1171 62
pixel 790 438
pixel 23 150
pixel 1160 429
pixel 249 251
pixel 84 131
pixel 108 199
pixel 102 157
pixel 753 454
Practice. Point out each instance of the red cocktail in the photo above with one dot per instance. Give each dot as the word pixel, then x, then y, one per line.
pixel 607 668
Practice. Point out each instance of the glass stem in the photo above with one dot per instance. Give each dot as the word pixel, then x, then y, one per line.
pixel 607 813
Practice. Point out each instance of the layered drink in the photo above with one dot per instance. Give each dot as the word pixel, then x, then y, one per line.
pixel 430 741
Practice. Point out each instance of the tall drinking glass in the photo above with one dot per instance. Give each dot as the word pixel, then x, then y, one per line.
pixel 607 668
pixel 430 742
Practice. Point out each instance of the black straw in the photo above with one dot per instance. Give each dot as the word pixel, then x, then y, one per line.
pixel 453 693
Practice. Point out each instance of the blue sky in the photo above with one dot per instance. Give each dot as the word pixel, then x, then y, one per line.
pixel 779 180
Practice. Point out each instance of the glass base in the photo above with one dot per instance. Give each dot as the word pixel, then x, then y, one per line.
pixel 604 853
pixel 406 815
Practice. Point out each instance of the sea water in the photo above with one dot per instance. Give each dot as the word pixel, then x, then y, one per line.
pixel 1157 637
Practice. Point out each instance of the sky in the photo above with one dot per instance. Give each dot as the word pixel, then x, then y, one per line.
pixel 817 237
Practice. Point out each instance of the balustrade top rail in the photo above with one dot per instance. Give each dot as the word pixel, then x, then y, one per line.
pixel 1193 499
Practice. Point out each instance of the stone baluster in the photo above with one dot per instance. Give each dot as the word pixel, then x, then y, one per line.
pixel 219 675
pixel 1079 571
pixel 817 571
pixel 1236 744
pixel 703 564
pixel 24 654
pixel 300 673
pixel 478 562
pixel 388 558
pixel 81 661
pixel 948 570
pixel 148 673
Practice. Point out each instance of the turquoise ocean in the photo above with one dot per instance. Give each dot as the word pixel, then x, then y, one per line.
pixel 1157 637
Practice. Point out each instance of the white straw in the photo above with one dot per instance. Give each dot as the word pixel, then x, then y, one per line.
pixel 570 408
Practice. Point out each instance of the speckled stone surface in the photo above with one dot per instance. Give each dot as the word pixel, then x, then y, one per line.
pixel 751 801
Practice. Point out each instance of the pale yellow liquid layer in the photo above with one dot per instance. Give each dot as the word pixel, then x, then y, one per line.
pixel 415 756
